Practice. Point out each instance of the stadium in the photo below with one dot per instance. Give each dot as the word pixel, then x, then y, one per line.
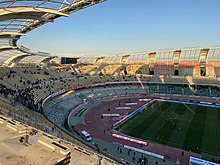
pixel 150 107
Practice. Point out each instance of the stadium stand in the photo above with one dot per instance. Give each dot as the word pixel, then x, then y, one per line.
pixel 29 84
pixel 29 81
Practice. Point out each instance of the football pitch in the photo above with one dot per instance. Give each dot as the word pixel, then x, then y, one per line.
pixel 188 127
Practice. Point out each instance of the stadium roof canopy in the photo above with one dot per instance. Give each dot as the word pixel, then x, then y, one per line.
pixel 214 54
pixel 112 59
pixel 17 17
pixel 34 59
pixel 190 54
pixel 7 56
pixel 87 60
pixel 140 57
pixel 164 55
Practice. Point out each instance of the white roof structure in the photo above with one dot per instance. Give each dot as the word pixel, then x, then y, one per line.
pixel 34 59
pixel 213 54
pixel 142 57
pixel 18 17
pixel 112 59
pixel 166 55
pixel 87 60
pixel 191 54
pixel 6 56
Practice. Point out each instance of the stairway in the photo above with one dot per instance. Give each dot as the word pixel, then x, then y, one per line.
pixel 52 74
pixel 23 75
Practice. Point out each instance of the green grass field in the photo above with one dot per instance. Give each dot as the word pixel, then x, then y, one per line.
pixel 188 127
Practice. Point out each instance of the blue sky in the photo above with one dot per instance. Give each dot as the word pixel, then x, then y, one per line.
pixel 123 26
